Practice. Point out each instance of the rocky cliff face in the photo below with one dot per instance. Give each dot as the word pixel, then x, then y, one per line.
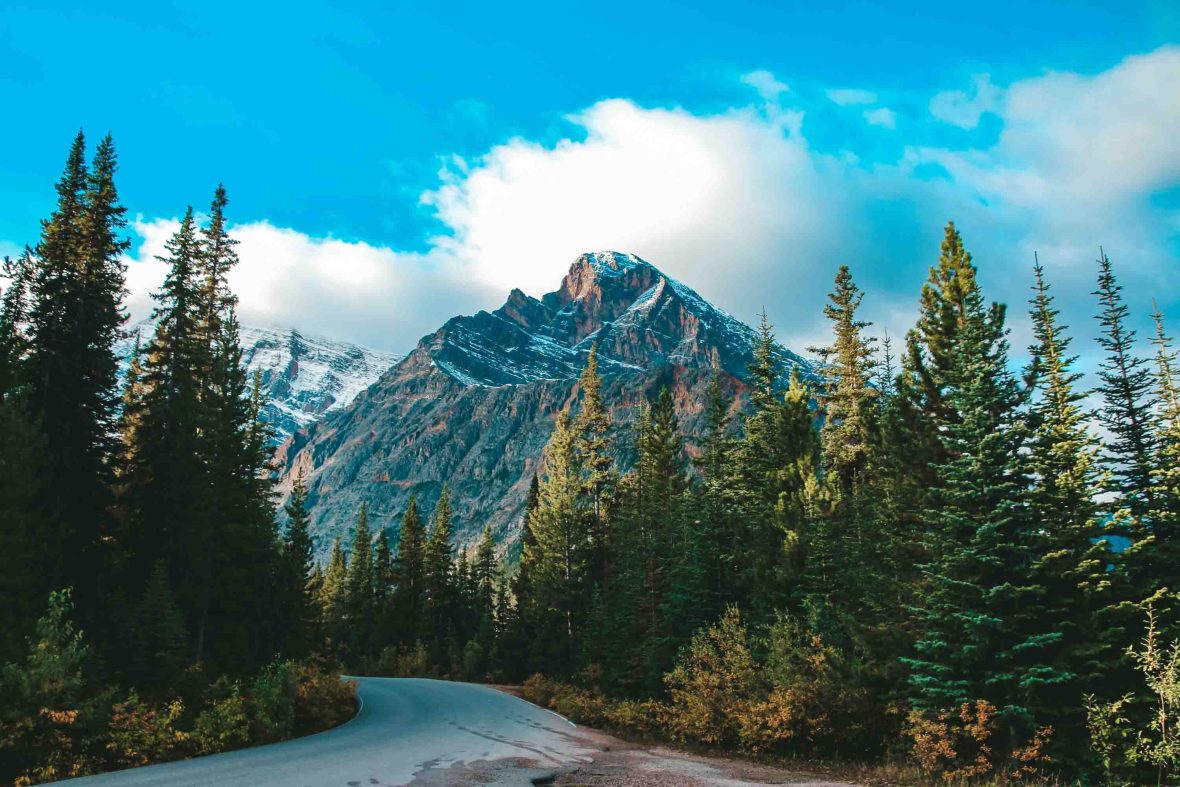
pixel 474 404
pixel 303 377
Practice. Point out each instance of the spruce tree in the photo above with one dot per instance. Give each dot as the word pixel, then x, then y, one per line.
pixel 557 560
pixel 715 503
pixel 778 461
pixel 981 631
pixel 1070 555
pixel 74 321
pixel 333 595
pixel 485 574
pixel 298 561
pixel 1157 563
pixel 383 578
pixel 410 591
pixel 1127 405
pixel 359 591
pixel 671 588
pixel 23 556
pixel 592 426
pixel 161 474
pixel 438 574
pixel 162 649
pixel 232 550
pixel 847 537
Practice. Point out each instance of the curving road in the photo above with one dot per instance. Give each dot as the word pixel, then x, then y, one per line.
pixel 408 729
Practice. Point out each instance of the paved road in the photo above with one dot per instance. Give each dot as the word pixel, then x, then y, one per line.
pixel 406 727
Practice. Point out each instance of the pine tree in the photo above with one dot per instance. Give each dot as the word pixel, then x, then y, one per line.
pixel 410 591
pixel 592 426
pixel 1071 558
pixel 485 574
pixel 669 587
pixel 74 320
pixel 557 560
pixel 298 560
pixel 846 395
pixel 438 574
pixel 981 634
pixel 359 592
pixel 333 595
pixel 1127 404
pixel 161 474
pixel 384 622
pixel 23 557
pixel 161 651
pixel 778 461
pixel 233 550
pixel 922 409
pixel 848 534
pixel 718 531
pixel 1160 556
pixel 14 308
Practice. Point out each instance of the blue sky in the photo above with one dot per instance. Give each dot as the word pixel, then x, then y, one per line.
pixel 394 163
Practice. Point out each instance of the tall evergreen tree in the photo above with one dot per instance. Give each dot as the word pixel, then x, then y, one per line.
pixel 592 426
pixel 384 622
pixel 847 537
pixel 981 636
pixel 438 574
pixel 778 461
pixel 232 552
pixel 333 595
pixel 359 592
pixel 718 531
pixel 1127 404
pixel 161 643
pixel 23 557
pixel 161 470
pixel 1071 557
pixel 298 561
pixel 556 562
pixel 410 591
pixel 1157 564
pixel 74 321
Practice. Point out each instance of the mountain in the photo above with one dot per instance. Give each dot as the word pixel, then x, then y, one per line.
pixel 475 402
pixel 304 377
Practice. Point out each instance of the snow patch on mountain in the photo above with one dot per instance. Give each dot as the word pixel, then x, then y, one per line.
pixel 304 377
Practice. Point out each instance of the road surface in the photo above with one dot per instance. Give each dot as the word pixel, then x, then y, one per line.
pixel 408 729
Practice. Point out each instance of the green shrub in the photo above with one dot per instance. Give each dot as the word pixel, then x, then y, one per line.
pixel 140 733
pixel 271 701
pixel 714 685
pixel 224 725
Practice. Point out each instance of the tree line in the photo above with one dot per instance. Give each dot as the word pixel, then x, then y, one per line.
pixel 141 567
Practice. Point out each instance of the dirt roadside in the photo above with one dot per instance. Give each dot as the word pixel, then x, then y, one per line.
pixel 620 763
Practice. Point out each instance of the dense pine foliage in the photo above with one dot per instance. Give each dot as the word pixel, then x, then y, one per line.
pixel 949 560
pixel 141 563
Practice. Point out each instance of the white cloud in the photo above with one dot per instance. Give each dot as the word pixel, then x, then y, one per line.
pixel 851 97
pixel 739 206
pixel 963 109
pixel 883 116
pixel 354 291
pixel 770 88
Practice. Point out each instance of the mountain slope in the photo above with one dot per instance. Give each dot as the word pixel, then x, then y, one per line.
pixel 304 377
pixel 475 402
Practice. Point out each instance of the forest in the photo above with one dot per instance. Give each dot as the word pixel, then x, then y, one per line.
pixel 927 557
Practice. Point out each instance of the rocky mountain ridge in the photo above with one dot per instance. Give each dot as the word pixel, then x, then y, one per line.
pixel 474 403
